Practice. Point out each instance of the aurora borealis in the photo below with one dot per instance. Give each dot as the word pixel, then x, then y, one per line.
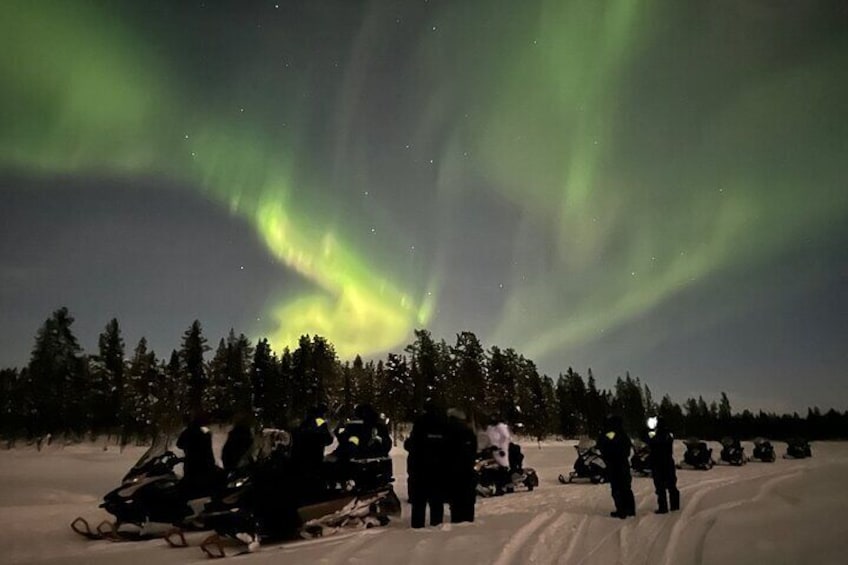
pixel 657 187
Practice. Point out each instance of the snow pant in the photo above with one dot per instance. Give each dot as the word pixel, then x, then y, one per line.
pixel 665 485
pixel 622 493
pixel 421 495
pixel 462 500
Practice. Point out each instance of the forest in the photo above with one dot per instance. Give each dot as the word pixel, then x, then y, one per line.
pixel 65 392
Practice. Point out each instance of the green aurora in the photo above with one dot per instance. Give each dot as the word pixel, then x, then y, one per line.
pixel 646 148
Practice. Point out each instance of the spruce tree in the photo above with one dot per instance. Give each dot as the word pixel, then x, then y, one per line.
pixel 469 388
pixel 111 361
pixel 427 384
pixel 58 373
pixel 138 395
pixel 191 355
pixel 268 398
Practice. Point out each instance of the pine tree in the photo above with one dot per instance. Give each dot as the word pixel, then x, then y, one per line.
pixel 366 382
pixel 269 399
pixel 672 414
pixel 573 404
pixel 469 382
pixel 239 355
pixel 111 362
pixel 58 373
pixel 596 406
pixel 427 383
pixel 536 411
pixel 396 390
pixel 217 396
pixel 287 410
pixel 166 405
pixel 139 394
pixel 9 417
pixel 327 372
pixel 191 355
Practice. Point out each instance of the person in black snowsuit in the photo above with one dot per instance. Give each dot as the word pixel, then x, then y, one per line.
pixel 426 445
pixel 236 450
pixel 200 473
pixel 307 453
pixel 615 447
pixel 661 444
pixel 373 434
pixel 461 477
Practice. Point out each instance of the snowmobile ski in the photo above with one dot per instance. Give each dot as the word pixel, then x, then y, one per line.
pixel 81 526
pixel 217 546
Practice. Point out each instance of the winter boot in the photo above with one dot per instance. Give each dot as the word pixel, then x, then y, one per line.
pixel 674 495
pixel 662 503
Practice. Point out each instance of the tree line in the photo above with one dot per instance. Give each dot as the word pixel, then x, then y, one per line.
pixel 135 397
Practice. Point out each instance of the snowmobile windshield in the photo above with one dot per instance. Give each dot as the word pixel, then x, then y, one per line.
pixel 270 441
pixel 760 441
pixel 639 445
pixel 159 447
pixel 159 450
pixel 728 441
pixel 585 444
pixel 693 442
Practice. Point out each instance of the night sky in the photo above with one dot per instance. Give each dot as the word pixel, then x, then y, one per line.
pixel 659 187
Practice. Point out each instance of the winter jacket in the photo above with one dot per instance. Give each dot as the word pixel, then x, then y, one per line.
pixel 499 437
pixel 236 450
pixel 426 444
pixel 615 446
pixel 308 443
pixel 661 444
pixel 460 453
pixel 196 443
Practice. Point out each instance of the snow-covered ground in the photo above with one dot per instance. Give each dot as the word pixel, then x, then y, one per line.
pixel 785 512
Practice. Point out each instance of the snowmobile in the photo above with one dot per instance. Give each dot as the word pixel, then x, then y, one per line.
pixel 494 479
pixel 269 502
pixel 588 465
pixel 797 448
pixel 732 452
pixel 697 456
pixel 640 462
pixel 149 502
pixel 763 451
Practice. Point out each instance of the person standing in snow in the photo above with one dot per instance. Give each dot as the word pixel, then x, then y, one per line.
pixel 615 446
pixel 200 473
pixel 426 444
pixel 236 450
pixel 460 457
pixel 499 440
pixel 661 444
pixel 308 443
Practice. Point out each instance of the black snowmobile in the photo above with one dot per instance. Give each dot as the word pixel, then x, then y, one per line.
pixel 697 456
pixel 763 451
pixel 732 452
pixel 267 501
pixel 797 448
pixel 588 465
pixel 150 502
pixel 493 479
pixel 640 462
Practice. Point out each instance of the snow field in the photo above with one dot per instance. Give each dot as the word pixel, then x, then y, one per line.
pixel 790 511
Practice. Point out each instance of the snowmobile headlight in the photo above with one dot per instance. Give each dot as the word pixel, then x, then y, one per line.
pixel 238 483
pixel 652 423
